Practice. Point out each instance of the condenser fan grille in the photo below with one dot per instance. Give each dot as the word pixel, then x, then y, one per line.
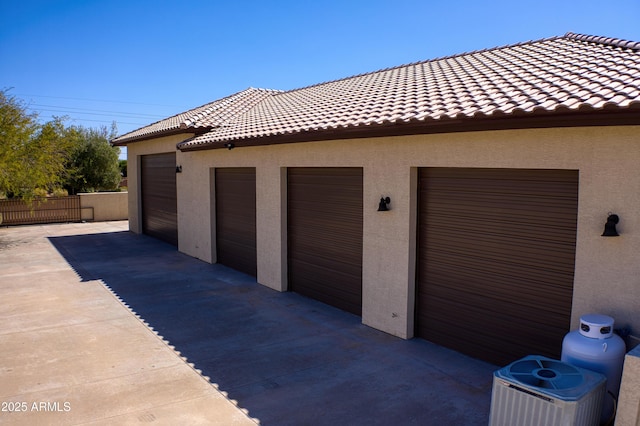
pixel 546 374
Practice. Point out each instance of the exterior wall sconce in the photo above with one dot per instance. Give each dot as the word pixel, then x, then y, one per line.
pixel 229 145
pixel 610 227
pixel 382 207
pixel 178 169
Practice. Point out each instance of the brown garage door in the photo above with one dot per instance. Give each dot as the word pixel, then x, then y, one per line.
pixel 159 206
pixel 236 218
pixel 325 235
pixel 496 260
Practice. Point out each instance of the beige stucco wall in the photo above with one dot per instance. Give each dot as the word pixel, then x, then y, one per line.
pixel 607 269
pixel 102 206
pixel 628 413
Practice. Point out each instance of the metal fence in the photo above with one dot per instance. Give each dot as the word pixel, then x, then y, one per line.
pixel 40 210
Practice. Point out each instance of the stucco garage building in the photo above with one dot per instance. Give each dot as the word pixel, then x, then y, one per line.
pixel 501 166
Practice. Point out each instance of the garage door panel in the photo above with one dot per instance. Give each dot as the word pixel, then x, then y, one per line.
pixel 328 262
pixel 235 194
pixel 491 176
pixel 236 247
pixel 533 257
pixel 511 193
pixel 537 294
pixel 491 209
pixel 322 245
pixel 482 304
pixel 511 190
pixel 486 345
pixel 556 259
pixel 495 326
pixel 498 324
pixel 325 210
pixel 318 226
pixel 325 235
pixel 330 280
pixel 237 226
pixel 161 223
pixel 496 256
pixel 459 338
pixel 159 197
pixel 502 214
pixel 324 285
pixel 240 227
pixel 505 234
pixel 500 240
pixel 535 304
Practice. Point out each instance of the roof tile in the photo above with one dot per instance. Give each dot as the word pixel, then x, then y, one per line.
pixel 207 116
pixel 556 75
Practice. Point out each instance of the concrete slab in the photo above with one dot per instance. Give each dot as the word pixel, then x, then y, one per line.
pixel 72 353
pixel 282 358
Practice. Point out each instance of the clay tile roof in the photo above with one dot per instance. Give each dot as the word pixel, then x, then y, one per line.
pixel 200 119
pixel 573 74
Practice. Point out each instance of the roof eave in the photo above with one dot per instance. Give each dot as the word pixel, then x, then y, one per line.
pixel 603 117
pixel 155 135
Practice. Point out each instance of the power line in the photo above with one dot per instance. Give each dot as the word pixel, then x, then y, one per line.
pixel 85 110
pixel 74 113
pixel 102 121
pixel 125 115
pixel 95 100
pixel 77 114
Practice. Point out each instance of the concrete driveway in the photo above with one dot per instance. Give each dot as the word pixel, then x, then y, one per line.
pixel 102 326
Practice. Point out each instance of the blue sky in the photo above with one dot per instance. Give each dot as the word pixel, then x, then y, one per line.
pixel 137 61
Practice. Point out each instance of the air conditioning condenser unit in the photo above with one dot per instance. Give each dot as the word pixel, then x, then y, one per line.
pixel 539 391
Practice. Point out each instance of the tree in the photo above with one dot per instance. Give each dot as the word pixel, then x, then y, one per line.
pixel 123 167
pixel 41 158
pixel 32 155
pixel 93 163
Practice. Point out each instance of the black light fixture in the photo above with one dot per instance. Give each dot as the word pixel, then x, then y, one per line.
pixel 610 227
pixel 178 169
pixel 382 207
pixel 229 145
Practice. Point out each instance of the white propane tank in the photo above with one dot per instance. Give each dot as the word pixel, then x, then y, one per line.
pixel 596 348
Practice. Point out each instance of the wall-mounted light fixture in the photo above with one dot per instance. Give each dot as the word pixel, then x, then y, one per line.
pixel 178 169
pixel 382 207
pixel 610 227
pixel 229 145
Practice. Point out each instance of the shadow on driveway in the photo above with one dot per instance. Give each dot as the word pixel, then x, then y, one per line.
pixel 287 359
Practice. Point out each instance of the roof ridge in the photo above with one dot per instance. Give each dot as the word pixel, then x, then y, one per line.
pixel 618 42
pixel 182 113
pixel 262 89
pixel 243 91
pixel 208 108
pixel 188 115
pixel 426 61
